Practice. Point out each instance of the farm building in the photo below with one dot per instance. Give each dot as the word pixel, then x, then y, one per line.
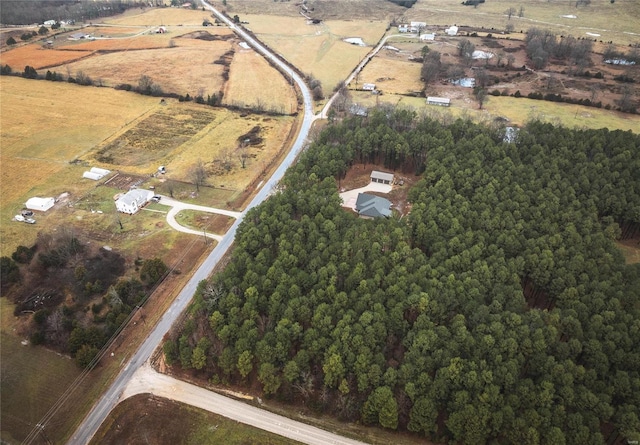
pixel 441 101
pixel 49 22
pixel 403 28
pixel 428 37
pixel 133 200
pixel 41 204
pixel 452 31
pixel 417 26
pixel 371 206
pixel 96 173
pixel 381 177
pixel 369 87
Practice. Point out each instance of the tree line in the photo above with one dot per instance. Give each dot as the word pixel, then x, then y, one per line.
pixel 499 310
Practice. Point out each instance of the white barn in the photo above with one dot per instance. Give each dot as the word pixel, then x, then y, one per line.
pixel 369 87
pixel 41 204
pixel 427 37
pixel 133 200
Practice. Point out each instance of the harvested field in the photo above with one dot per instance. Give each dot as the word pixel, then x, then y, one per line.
pixel 183 70
pixel 155 137
pixel 161 16
pixel 38 57
pixel 317 49
pixel 256 84
pixel 122 44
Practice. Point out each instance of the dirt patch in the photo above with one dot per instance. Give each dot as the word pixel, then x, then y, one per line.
pixel 124 181
pixel 204 35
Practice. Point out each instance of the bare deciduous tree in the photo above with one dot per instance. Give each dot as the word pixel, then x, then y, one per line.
pixel 198 174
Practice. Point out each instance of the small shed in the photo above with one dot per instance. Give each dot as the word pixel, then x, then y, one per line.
pixel 133 200
pixel 41 204
pixel 369 87
pixel 381 177
pixel 371 206
pixel 452 30
pixel 440 101
pixel 427 37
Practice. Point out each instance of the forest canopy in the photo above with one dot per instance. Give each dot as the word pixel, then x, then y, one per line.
pixel 498 310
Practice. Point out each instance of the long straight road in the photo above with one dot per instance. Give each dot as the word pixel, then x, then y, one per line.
pixel 103 407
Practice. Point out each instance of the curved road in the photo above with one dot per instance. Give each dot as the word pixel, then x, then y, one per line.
pixel 109 400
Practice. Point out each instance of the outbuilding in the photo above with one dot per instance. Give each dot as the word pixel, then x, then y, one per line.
pixel 40 204
pixel 440 101
pixel 452 30
pixel 381 177
pixel 133 200
pixel 369 87
pixel 430 37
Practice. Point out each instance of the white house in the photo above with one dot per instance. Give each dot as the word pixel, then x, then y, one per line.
pixel 133 200
pixel 381 177
pixel 49 22
pixel 403 28
pixel 427 37
pixel 41 204
pixel 369 87
pixel 441 101
pixel 452 30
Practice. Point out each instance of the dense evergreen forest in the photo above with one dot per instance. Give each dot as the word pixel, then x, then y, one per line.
pixel 498 311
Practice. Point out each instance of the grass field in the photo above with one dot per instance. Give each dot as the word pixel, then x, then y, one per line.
pixel 405 76
pixel 517 111
pixel 161 16
pixel 613 21
pixel 631 250
pixel 318 49
pixel 253 82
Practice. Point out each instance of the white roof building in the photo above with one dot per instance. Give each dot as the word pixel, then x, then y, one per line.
pixel 133 200
pixel 41 204
pixel 369 87
pixel 381 177
pixel 96 173
pixel 452 30
pixel 441 101
pixel 428 37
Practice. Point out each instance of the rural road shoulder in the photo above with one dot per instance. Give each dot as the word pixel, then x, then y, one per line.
pixel 147 380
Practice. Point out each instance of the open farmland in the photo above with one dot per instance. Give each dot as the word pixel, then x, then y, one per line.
pixel 317 49
pixel 323 9
pixel 617 22
pixel 38 57
pixel 253 82
pixel 160 16
pixel 179 69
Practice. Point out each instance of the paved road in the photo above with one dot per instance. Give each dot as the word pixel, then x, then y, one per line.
pixel 109 400
pixel 147 380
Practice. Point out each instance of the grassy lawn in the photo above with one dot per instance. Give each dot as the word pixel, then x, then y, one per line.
pixel 631 250
pixel 207 222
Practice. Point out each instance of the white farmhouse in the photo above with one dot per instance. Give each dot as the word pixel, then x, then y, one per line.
pixel 133 200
